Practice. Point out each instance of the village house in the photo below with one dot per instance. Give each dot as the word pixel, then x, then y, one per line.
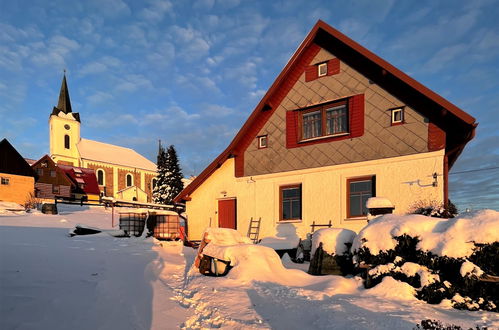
pixel 121 172
pixel 337 126
pixel 17 178
pixel 52 181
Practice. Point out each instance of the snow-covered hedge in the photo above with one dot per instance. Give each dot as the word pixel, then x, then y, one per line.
pixel 441 259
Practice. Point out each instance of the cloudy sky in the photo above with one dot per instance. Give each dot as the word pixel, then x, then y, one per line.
pixel 190 72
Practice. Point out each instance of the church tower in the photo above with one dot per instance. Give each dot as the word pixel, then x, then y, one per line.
pixel 64 126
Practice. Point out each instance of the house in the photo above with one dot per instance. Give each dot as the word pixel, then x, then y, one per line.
pixel 337 126
pixel 17 179
pixel 84 182
pixel 52 181
pixel 117 168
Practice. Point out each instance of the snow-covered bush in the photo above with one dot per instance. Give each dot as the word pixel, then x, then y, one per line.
pixel 434 209
pixel 441 259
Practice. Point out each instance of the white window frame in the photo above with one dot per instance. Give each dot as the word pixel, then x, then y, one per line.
pixel 319 69
pixel 263 142
pixel 398 110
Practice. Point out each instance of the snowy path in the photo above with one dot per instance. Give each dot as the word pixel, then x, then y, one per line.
pixel 51 281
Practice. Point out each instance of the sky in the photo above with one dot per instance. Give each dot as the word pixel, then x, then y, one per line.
pixel 191 72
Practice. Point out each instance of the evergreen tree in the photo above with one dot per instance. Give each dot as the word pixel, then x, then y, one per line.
pixel 169 180
pixel 174 176
pixel 159 190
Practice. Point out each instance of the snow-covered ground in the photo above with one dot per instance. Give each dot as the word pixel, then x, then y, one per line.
pixel 49 280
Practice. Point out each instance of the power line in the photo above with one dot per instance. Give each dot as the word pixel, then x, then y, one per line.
pixel 476 170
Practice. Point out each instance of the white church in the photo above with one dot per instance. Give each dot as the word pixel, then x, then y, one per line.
pixel 121 172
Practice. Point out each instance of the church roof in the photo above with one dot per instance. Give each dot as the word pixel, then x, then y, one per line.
pixel 112 154
pixel 64 103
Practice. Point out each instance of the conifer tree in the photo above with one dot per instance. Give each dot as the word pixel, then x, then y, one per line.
pixel 174 176
pixel 159 191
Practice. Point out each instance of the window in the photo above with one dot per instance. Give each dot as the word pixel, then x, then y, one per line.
pixel 100 177
pixel 262 142
pixel 5 181
pixel 359 190
pixel 55 189
pixel 397 116
pixel 52 173
pixel 153 183
pixel 322 69
pixel 129 180
pixel 290 202
pixel 66 141
pixel 39 171
pixel 326 120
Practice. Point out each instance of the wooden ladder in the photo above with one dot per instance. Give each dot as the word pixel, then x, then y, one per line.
pixel 254 229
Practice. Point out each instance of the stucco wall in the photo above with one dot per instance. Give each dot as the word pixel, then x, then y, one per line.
pixel 56 135
pixel 403 180
pixel 18 190
pixel 380 139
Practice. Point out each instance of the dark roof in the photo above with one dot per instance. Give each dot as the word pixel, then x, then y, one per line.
pixel 11 162
pixel 458 125
pixel 64 104
pixel 82 175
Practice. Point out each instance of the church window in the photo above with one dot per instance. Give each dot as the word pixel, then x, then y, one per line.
pixel 100 177
pixel 129 180
pixel 66 141
pixel 153 183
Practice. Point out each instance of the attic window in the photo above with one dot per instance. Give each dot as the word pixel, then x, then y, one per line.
pixel 322 69
pixel 262 142
pixel 397 116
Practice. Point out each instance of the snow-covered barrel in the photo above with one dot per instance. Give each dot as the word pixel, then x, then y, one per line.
pixel 133 222
pixel 379 205
pixel 164 225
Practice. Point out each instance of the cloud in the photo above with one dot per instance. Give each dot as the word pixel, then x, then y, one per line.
pixel 156 11
pixel 55 53
pixel 111 8
pixel 216 110
pixel 171 116
pixel 133 82
pixel 445 56
pixel 99 98
pixel 191 44
pixel 203 4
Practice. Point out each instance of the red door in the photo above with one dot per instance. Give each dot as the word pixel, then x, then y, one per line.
pixel 227 213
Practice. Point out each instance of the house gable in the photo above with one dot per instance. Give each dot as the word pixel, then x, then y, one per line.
pixel 459 127
pixel 11 162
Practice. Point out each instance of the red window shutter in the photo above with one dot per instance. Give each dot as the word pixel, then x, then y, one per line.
pixel 356 108
pixel 333 66
pixel 292 129
pixel 311 73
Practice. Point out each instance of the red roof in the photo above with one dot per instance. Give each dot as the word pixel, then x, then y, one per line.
pixel 84 176
pixel 459 125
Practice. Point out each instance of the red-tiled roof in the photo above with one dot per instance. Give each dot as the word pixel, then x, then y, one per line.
pixel 86 177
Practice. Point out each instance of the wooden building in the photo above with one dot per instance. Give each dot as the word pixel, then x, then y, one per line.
pixel 17 178
pixel 52 181
pixel 337 126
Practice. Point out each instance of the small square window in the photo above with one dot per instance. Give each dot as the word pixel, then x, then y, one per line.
pixel 52 174
pixel 398 116
pixel 322 69
pixel 262 142
pixel 39 171
pixel 5 181
pixel 55 189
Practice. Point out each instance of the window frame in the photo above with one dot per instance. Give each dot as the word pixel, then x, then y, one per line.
pixel 281 200
pixel 126 180
pixel 393 111
pixel 39 171
pixel 319 66
pixel 261 138
pixel 371 178
pixel 323 109
pixel 53 173
pixel 56 189
pixel 5 181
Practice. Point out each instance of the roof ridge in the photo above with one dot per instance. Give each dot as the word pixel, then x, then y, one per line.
pixel 109 144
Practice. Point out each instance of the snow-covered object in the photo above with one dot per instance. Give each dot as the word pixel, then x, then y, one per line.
pixel 280 243
pixel 225 237
pixel 68 115
pixel 9 207
pixel 470 269
pixel 444 237
pixel 333 240
pixel 393 289
pixel 378 202
pixel 410 269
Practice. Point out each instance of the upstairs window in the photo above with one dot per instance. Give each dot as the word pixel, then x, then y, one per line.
pixel 52 174
pixel 322 69
pixel 326 120
pixel 359 190
pixel 397 116
pixel 262 141
pixel 129 180
pixel 66 141
pixel 290 202
pixel 39 171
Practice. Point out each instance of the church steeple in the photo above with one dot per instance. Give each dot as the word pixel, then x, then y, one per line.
pixel 64 103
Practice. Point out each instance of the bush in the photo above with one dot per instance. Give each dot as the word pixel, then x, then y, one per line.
pixel 437 325
pixel 434 209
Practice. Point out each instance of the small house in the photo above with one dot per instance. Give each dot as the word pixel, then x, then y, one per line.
pixel 52 181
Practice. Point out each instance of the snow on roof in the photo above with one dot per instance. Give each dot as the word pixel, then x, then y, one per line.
pixel 333 240
pixel 445 237
pixel 109 153
pixel 378 202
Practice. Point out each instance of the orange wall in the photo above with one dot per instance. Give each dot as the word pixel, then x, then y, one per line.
pixel 18 189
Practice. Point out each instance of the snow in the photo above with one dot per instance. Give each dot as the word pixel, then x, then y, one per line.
pixel 470 269
pixel 68 115
pixel 378 202
pixel 280 243
pixel 49 280
pixel 408 268
pixel 450 237
pixel 225 236
pixel 333 240
pixel 112 154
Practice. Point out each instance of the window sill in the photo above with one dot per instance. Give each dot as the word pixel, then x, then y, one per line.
pixel 398 123
pixel 323 137
pixel 289 221
pixel 356 218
